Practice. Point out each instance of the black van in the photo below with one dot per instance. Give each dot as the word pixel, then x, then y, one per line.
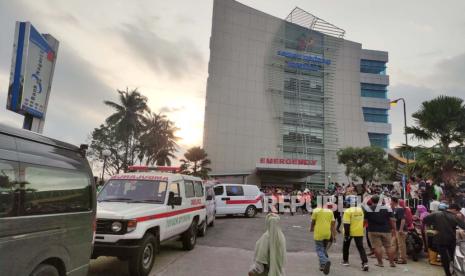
pixel 47 206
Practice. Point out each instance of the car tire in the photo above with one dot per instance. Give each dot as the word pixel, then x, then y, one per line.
pixel 141 264
pixel 45 270
pixel 203 229
pixel 189 238
pixel 251 211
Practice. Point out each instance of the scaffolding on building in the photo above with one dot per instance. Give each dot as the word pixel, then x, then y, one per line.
pixel 303 100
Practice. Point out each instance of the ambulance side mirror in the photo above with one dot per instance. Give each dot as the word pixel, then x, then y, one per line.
pixel 174 200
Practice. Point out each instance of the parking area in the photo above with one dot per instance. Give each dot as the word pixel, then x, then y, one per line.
pixel 228 250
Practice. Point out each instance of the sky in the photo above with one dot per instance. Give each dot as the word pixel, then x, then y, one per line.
pixel 162 49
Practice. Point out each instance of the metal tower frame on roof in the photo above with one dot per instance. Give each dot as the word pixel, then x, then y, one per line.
pixel 332 41
pixel 305 19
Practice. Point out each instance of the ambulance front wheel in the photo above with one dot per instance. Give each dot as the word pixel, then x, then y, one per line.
pixel 141 264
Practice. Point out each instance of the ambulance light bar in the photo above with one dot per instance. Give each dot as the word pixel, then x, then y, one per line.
pixel 156 168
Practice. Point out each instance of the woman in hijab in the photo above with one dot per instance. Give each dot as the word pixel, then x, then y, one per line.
pixel 270 250
pixel 421 213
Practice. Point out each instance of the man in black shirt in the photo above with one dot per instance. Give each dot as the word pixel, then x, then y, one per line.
pixel 398 242
pixel 381 228
pixel 445 223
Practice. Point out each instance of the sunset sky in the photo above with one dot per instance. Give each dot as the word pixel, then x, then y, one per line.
pixel 162 48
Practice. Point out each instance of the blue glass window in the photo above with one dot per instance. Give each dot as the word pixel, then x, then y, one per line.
pixel 373 67
pixel 379 140
pixel 376 115
pixel 373 90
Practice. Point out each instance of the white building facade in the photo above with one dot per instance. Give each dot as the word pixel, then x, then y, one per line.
pixel 283 96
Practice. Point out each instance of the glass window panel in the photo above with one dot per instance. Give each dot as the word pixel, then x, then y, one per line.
pixel 198 189
pixel 189 187
pixel 8 174
pixel 234 191
pixel 53 190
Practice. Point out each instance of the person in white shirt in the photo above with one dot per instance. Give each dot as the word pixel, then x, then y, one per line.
pixel 434 205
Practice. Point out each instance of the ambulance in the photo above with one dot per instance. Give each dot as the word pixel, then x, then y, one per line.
pixel 136 211
pixel 238 199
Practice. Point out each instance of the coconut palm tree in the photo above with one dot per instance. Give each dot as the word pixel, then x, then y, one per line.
pixel 127 120
pixel 158 139
pixel 442 121
pixel 196 162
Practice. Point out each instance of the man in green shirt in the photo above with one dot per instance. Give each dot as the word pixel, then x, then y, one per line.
pixel 323 226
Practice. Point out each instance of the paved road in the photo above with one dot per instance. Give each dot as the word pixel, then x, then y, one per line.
pixel 227 250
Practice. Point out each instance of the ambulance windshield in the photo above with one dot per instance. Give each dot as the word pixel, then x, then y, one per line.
pixel 134 191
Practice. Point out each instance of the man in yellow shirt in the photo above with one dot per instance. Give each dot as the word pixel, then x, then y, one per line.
pixel 323 226
pixel 353 229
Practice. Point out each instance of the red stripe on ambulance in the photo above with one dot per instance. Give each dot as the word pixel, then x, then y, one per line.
pixel 244 201
pixel 170 214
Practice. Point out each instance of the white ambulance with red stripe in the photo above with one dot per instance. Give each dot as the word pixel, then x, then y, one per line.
pixel 138 210
pixel 238 199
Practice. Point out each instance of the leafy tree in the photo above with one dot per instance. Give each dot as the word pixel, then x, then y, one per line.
pixel 127 121
pixel 104 138
pixel 158 139
pixel 196 162
pixel 442 121
pixel 368 163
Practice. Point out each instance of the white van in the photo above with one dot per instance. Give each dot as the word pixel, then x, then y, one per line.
pixel 238 199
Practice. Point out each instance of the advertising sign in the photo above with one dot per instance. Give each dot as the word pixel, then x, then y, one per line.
pixel 32 69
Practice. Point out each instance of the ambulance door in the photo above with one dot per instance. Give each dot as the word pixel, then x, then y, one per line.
pixel 236 203
pixel 187 217
pixel 220 198
pixel 173 226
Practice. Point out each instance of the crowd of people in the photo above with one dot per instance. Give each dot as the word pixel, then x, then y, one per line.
pixel 377 215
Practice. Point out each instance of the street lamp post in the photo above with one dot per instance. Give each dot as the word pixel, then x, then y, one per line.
pixel 394 102
pixel 105 154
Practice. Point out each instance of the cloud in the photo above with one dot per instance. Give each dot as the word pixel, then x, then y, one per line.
pixel 76 103
pixel 446 79
pixel 167 109
pixel 76 100
pixel 176 58
pixel 430 53
pixel 450 73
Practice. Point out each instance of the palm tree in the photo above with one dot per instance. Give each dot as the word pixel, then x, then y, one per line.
pixel 441 120
pixel 127 120
pixel 158 139
pixel 196 162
